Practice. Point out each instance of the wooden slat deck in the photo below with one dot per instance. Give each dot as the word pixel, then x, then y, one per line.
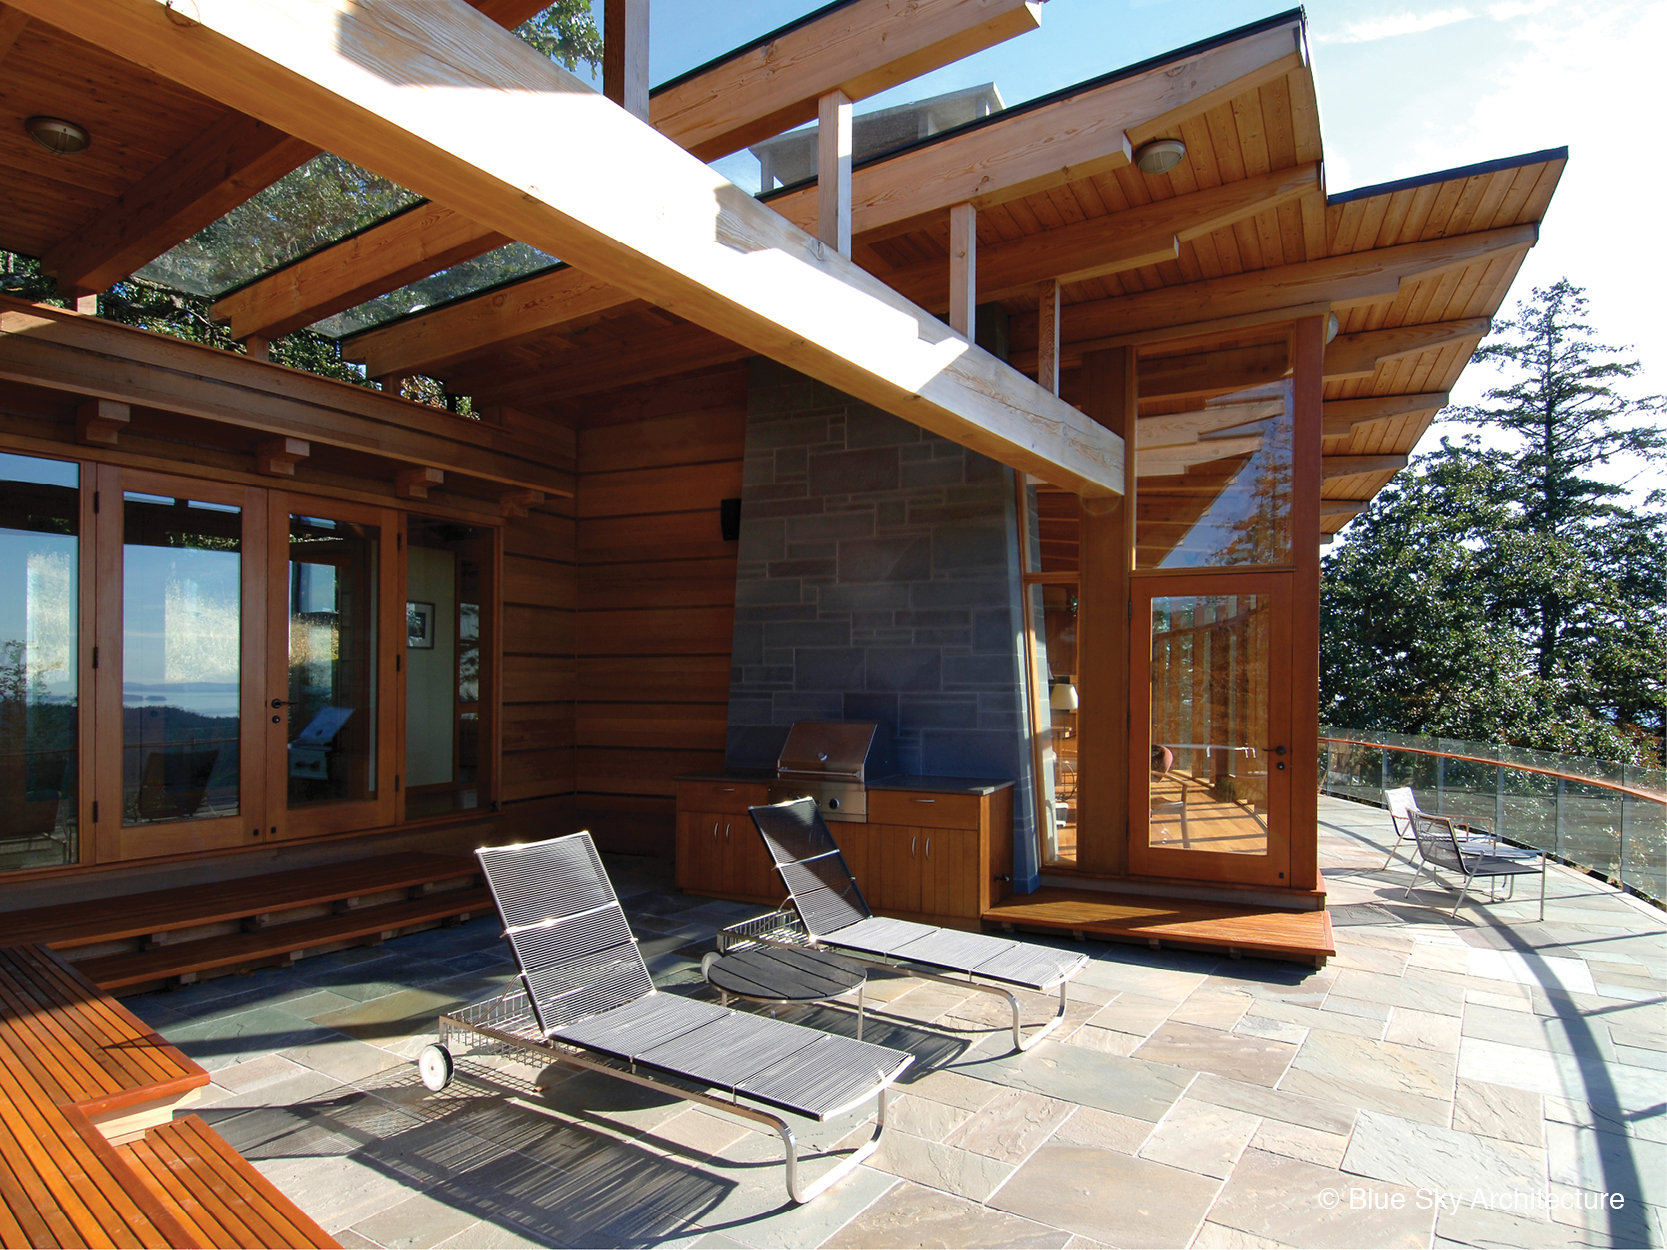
pixel 1280 932
pixel 159 911
pixel 217 1194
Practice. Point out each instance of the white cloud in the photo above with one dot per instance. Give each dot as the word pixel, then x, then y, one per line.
pixel 1391 27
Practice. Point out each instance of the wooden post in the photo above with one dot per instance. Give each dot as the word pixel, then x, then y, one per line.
pixel 99 421
pixel 963 270
pixel 258 348
pixel 1047 338
pixel 833 171
pixel 1308 422
pixel 1103 633
pixel 393 385
pixel 87 305
pixel 625 55
pixel 277 456
pixel 415 483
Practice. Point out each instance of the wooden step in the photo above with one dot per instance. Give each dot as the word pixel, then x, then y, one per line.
pixel 1281 932
pixel 185 907
pixel 232 950
pixel 214 1192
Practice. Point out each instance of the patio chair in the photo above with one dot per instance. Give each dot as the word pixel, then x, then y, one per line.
pixel 1439 846
pixel 828 910
pixel 1474 833
pixel 585 999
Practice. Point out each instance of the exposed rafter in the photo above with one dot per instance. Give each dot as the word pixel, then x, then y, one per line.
pixel 435 97
pixel 1359 355
pixel 862 48
pixel 1344 416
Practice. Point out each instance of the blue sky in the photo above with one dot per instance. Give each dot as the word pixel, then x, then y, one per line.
pixel 1404 89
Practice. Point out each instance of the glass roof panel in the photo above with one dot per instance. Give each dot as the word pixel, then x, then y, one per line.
pixel 504 264
pixel 318 204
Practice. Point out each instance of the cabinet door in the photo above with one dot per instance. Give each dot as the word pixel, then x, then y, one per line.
pixel 949 873
pixel 894 858
pixel 747 867
pixel 699 851
pixel 853 840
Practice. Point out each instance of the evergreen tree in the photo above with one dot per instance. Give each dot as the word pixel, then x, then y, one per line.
pixel 1509 594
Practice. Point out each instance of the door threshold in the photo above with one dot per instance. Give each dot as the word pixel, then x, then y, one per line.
pixel 1169 887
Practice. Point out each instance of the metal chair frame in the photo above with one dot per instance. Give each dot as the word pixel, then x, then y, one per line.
pixel 1439 847
pixel 1475 830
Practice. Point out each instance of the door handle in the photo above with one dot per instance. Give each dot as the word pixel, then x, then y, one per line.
pixel 286 702
pixel 1279 750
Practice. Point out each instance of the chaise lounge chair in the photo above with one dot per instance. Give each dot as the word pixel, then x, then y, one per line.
pixel 585 999
pixel 1473 832
pixel 828 910
pixel 1440 846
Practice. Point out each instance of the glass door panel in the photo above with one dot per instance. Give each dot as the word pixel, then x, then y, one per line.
pixel 40 657
pixel 1211 686
pixel 334 590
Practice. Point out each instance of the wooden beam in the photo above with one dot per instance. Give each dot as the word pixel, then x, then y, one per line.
pixel 1351 281
pixel 1047 338
pixel 516 503
pixel 99 422
pixel 277 457
pixel 1147 235
pixel 1213 373
pixel 415 483
pixel 963 270
pixel 1056 141
pixel 652 353
pixel 1350 466
pixel 1340 509
pixel 833 172
pixel 625 55
pixel 12 22
pixel 1344 416
pixel 233 159
pixel 861 48
pixel 857 48
pixel 56 349
pixel 435 97
pixel 1359 355
pixel 1179 429
pixel 1169 461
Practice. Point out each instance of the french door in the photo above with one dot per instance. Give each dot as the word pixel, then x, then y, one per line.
pixel 1210 714
pixel 252 640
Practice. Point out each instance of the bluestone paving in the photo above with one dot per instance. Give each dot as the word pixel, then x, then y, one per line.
pixel 1188 1099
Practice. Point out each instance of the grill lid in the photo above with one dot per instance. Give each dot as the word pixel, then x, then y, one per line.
pixel 835 750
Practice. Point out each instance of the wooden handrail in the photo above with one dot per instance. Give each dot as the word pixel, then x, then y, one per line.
pixel 1649 796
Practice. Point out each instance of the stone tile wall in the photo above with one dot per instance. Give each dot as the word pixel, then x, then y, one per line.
pixel 878 580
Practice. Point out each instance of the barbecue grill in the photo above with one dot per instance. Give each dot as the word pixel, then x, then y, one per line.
pixel 832 762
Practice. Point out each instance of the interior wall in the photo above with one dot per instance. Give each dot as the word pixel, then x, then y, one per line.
pixel 430 672
pixel 656 599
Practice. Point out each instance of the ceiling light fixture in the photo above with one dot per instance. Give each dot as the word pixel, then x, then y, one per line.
pixel 1159 156
pixel 58 136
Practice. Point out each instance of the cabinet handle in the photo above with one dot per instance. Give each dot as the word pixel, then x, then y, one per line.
pixel 714 831
pixel 726 831
pixel 726 789
pixel 912 842
pixel 923 800
pixel 928 848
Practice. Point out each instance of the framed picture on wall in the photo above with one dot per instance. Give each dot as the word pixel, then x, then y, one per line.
pixel 419 625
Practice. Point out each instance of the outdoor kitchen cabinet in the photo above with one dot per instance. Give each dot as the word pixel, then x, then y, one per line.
pixel 718 849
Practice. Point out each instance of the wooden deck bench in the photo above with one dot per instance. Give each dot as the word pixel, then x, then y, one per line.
pixel 140 941
pixel 79 1074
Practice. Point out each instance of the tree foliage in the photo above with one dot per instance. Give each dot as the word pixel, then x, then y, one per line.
pixel 1508 594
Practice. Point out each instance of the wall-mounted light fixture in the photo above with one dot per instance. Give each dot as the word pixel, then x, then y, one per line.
pixel 1159 156
pixel 58 136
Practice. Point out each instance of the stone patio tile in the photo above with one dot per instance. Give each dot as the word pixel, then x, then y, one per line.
pixel 1569 1036
pixel 1606 1119
pixel 1639 1057
pixel 937 1166
pixel 1120 972
pixel 1476 1225
pixel 1106 1041
pixel 1441 958
pixel 1252 1059
pixel 1520 1003
pixel 913 1216
pixel 1300 987
pixel 1337 1004
pixel 1011 1125
pixel 1106 1130
pixel 1642 1039
pixel 1113 1198
pixel 1287 1200
pixel 372 979
pixel 1370 958
pixel 1405 1069
pixel 343 1058
pixel 1200 1137
pixel 927 1001
pixel 337 1191
pixel 1584 1158
pixel 1220 1237
pixel 1289 1108
pixel 696 1132
pixel 1272 1030
pixel 239 1078
pixel 1490 1110
pixel 1362 1096
pixel 1550 971
pixel 1295 1141
pixel 1427 1029
pixel 1416 989
pixel 952 1089
pixel 249 1034
pixel 420 1221
pixel 1130 1087
pixel 1133 1013
pixel 1585 1077
pixel 1315 1018
pixel 1590 1215
pixel 392 1017
pixel 351 1240
pixel 486 1235
pixel 924 1118
pixel 1213 1008
pixel 1388 1148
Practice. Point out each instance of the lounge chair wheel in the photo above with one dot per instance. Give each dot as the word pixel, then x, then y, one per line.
pixel 434 1065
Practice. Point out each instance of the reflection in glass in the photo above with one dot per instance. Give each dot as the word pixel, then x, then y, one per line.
pixel 1215 482
pixel 1209 723
pixel 1053 611
pixel 509 263
pixel 443 678
pixel 40 515
pixel 182 629
pixel 332 661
